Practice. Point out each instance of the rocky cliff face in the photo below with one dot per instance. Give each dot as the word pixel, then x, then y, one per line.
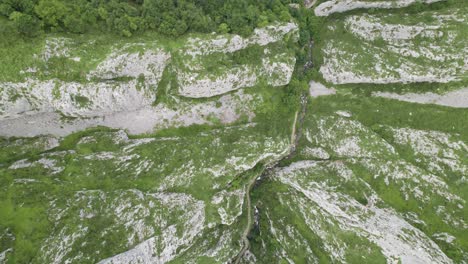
pixel 123 85
pixel 234 167
pixel 340 6
pixel 275 68
pixel 397 49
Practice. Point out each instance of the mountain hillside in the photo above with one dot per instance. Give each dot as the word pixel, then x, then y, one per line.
pixel 327 131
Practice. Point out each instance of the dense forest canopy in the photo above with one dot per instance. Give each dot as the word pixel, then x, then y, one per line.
pixel 125 17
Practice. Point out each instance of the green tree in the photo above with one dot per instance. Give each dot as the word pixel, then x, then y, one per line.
pixel 74 24
pixel 25 24
pixel 223 28
pixel 51 12
pixel 23 6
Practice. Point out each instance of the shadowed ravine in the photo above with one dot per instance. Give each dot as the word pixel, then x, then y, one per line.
pixel 266 171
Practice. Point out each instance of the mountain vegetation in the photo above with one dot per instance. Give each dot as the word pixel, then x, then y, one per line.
pixel 168 17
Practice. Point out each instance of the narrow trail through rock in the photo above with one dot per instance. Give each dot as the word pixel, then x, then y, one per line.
pixel 295 136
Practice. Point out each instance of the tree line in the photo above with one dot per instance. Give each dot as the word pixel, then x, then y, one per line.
pixel 126 17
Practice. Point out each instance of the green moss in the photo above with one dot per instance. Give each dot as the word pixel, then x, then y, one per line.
pixel 81 101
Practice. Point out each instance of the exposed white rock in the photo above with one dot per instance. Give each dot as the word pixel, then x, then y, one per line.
pixel 370 27
pixel 226 109
pixel 123 63
pixel 49 164
pixel 11 106
pixel 222 250
pixel 458 98
pixel 33 107
pixel 165 247
pixel 105 155
pixel 25 181
pixel 291 238
pixel 192 86
pixel 406 52
pixel 56 254
pixel 437 149
pixel 276 71
pixel 230 205
pixel 413 218
pixel 309 3
pixel 449 219
pixel 343 113
pixel 127 103
pixel 317 89
pixel 231 43
pixel 131 210
pixel 316 153
pixel 345 137
pixel 444 237
pixel 340 6
pixel 56 47
pixel 413 180
pixel 89 99
pixel 3 255
pixel 74 99
pixel 20 164
pixel 137 142
pixel 398 240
